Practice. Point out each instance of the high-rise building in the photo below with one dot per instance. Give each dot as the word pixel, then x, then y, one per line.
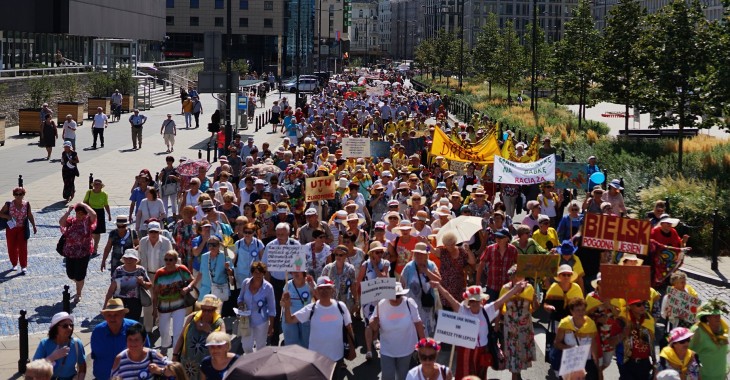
pixel 384 26
pixel 406 27
pixel 365 35
pixel 332 25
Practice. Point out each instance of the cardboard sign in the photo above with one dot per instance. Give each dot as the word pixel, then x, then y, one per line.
pixel 458 167
pixel 536 266
pixel 627 282
pixel 613 233
pixel 681 305
pixel 570 175
pixel 286 258
pixel 380 149
pixel 319 188
pixel 528 173
pixel 377 289
pixel 574 359
pixel 457 329
pixel 356 147
pixel 400 162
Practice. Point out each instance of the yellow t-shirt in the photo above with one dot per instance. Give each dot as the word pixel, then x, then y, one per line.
pixel 390 127
pixel 588 330
pixel 542 239
pixel 527 294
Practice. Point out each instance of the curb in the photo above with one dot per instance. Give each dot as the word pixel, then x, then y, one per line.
pixel 712 280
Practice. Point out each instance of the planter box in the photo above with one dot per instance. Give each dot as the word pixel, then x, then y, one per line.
pixel 127 103
pixel 75 109
pixel 104 103
pixel 2 130
pixel 29 121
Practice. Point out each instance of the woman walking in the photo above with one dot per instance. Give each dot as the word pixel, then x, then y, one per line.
pixel 257 297
pixel 69 171
pixel 79 243
pixel 126 283
pixel 98 199
pixel 168 298
pixel 65 352
pixel 49 135
pixel 189 349
pixel 19 217
pixel 150 208
pixel 214 366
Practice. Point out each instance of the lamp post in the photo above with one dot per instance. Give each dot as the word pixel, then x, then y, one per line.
pixel 298 52
pixel 461 44
pixel 229 76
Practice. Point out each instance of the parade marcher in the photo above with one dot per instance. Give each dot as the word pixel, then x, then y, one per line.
pixel 64 351
pixel 137 121
pixel 518 333
pixel 19 219
pixel 710 339
pixel 257 297
pixel 78 243
pixel 98 199
pixel 100 123
pixel 428 350
pixel 679 357
pixel 678 281
pixel 168 132
pixel 455 262
pixel 214 367
pixel 525 244
pixel 301 292
pixel 417 276
pixel 126 284
pixel 638 359
pixel 189 349
pixel 69 171
pixel 495 262
pixel 135 360
pixel 168 299
pixel 69 131
pixel 578 330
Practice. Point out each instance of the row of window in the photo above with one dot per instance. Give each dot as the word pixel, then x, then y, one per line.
pixel 217 4
pixel 218 21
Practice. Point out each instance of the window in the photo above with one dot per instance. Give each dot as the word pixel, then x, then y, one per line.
pixel 219 21
pixel 194 3
pixel 268 23
pixel 170 20
pixel 194 21
pixel 171 3
pixel 218 4
pixel 243 22
pixel 268 5
pixel 243 4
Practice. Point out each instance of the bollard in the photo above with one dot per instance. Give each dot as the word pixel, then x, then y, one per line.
pixel 715 232
pixel 66 299
pixel 91 181
pixel 572 159
pixel 207 152
pixel 200 154
pixel 23 341
pixel 20 180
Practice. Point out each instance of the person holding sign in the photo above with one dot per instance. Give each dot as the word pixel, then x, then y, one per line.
pixel 519 336
pixel 428 350
pixel 577 330
pixel 567 256
pixel 679 357
pixel 476 361
pixel 375 266
pixel 525 244
pixel 710 339
pixel 343 276
pixel 570 224
pixel 638 358
pixel 557 296
pixel 678 281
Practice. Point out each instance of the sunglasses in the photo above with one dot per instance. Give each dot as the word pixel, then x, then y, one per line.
pixel 213 244
pixel 340 255
pixel 170 259
pixel 683 341
pixel 565 275
pixel 427 358
pixel 18 194
pixel 260 271
pixel 153 232
pixel 544 223
pixel 67 325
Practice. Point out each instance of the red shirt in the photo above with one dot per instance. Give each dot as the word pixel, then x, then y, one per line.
pixel 498 264
pixel 672 239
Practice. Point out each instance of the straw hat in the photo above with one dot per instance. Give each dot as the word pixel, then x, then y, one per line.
pixel 665 218
pixel 389 214
pixel 403 226
pixel 420 248
pixel 629 256
pixel 209 300
pixel 377 246
pixel 114 304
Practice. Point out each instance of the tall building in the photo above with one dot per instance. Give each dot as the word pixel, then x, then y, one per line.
pixel 406 27
pixel 365 36
pixel 32 31
pixel 300 35
pixel 384 26
pixel 712 9
pixel 331 39
pixel 257 29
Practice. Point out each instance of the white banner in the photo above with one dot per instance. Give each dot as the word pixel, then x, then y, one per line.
pixel 377 289
pixel 530 173
pixel 358 147
pixel 457 329
pixel 286 258
pixel 574 359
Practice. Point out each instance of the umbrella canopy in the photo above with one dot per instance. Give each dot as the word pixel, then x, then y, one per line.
pixel 341 83
pixel 464 227
pixel 385 82
pixel 261 170
pixel 282 363
pixel 396 84
pixel 191 167
pixel 351 83
pixel 333 81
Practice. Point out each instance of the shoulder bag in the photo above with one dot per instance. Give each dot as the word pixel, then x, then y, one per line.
pixel 427 299
pixel 499 362
pixel 145 296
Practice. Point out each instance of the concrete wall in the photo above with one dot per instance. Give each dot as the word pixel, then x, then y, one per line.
pixel 134 19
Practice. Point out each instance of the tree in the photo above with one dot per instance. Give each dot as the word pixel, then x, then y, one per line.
pixel 620 60
pixel 485 50
pixel 675 54
pixel 239 65
pixel 510 58
pixel 426 57
pixel 542 54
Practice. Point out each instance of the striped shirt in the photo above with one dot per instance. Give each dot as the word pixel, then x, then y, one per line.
pixel 171 283
pixel 132 370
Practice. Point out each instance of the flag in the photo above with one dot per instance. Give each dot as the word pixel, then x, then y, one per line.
pixel 482 153
pixel 532 151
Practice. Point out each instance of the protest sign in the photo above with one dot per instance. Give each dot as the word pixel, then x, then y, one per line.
pixel 380 149
pixel 400 162
pixel 681 305
pixel 627 282
pixel 536 266
pixel 286 258
pixel 613 233
pixel 319 188
pixel 355 147
pixel 458 167
pixel 570 175
pixel 414 145
pixel 574 359
pixel 457 329
pixel 528 173
pixel 482 153
pixel 377 289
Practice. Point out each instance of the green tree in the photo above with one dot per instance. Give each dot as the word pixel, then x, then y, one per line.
pixel 485 50
pixel 426 57
pixel 542 52
pixel 674 49
pixel 240 65
pixel 620 60
pixel 510 58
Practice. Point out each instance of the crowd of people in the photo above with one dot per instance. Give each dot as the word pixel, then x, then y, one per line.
pixel 194 249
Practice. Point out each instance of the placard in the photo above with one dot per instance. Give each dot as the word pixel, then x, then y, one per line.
pixel 457 329
pixel 536 266
pixel 570 175
pixel 613 233
pixel 380 149
pixel 574 359
pixel 681 305
pixel 286 258
pixel 319 188
pixel 627 282
pixel 414 145
pixel 481 153
pixel 356 147
pixel 458 167
pixel 528 173
pixel 400 163
pixel 377 289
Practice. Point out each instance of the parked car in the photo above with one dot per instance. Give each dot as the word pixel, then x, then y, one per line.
pixel 306 84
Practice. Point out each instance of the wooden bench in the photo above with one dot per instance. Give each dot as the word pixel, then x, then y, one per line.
pixel 658 133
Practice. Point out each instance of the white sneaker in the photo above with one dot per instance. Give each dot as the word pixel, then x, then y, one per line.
pixel 24 271
pixel 16 268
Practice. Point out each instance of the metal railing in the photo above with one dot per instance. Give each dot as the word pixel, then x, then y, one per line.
pixel 42 71
pixel 179 62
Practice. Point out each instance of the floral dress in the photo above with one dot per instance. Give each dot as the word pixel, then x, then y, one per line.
pixel 194 349
pixel 453 278
pixel 519 337
pixel 343 282
pixel 184 235
pixel 79 243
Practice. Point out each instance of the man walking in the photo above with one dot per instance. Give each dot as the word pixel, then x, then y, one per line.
pixel 137 121
pixel 69 131
pixel 116 105
pixel 101 122
pixel 197 110
pixel 168 132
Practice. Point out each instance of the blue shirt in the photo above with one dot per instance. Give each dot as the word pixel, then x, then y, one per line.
pixel 137 196
pixel 65 367
pixel 262 304
pixel 105 347
pixel 247 255
pixel 215 266
pixel 408 277
pixel 196 260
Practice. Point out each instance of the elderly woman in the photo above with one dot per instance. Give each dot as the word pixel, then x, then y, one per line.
pixel 343 275
pixel 455 262
pixel 549 201
pixel 65 352
pixel 678 281
pixel 215 268
pixel 605 313
pixel 545 235
pixel 79 243
pixel 560 292
pixel 170 287
pixel 189 349
pixel 257 297
pixel 567 256
pixel 126 281
pixel 570 224
pixel 519 336
pixel 638 359
pixel 247 250
pixel 679 357
pixel 374 267
pixel 317 253
pixel 18 214
pixel 98 199
pixel 428 350
pixel 183 233
pixel 213 367
pixel 49 135
pixel 229 208
pixel 136 359
pixel 69 171
pixel 150 208
pixel 578 330
pixel 533 215
pixel 525 244
pixel 354 223
pixel 417 276
pixel 39 369
pixel 592 204
pixel 300 289
pixel 710 338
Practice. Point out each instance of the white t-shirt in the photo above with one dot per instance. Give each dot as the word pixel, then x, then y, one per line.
pixel 326 328
pixel 415 373
pixel 398 334
pixel 491 312
pixel 69 129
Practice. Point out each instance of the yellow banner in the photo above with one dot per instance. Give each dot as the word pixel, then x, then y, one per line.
pixel 483 153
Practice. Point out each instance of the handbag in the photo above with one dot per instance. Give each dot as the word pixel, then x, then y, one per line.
pixel 214 128
pixel 145 296
pixel 499 362
pixel 61 244
pixel 26 226
pixel 427 299
pixel 244 319
pixel 191 297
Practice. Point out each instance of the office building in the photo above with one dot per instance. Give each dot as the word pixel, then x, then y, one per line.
pixel 332 22
pixel 384 26
pixel 406 27
pixel 365 36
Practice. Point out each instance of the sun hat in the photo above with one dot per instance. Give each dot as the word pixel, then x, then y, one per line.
pixel 153 226
pixel 448 174
pixel 377 246
pixel 352 203
pixel 616 184
pixel 421 215
pixel 209 300
pixel 420 247
pixel 131 253
pixel 478 191
pixel 413 197
pixel 218 342
pixel 342 183
pixel 629 256
pixel 592 157
pixel 443 211
pixel 712 307
pixel 679 334
pixel 122 219
pixel 58 317
pixel 596 189
pixel 606 204
pixel 377 186
pixel 474 293
pixel 325 282
pixel 565 268
pixel 399 291
pixel 665 218
pixel 115 304
pixel 386 173
pixel 391 214
pixel 532 204
pixel 207 204
pixel 340 216
pixel 441 185
pixel 262 201
pixel 402 186
pixel 567 248
pixel 594 282
pixel 310 211
pixel 353 216
pixel 259 182
pixel 393 202
pixel 67 144
pixel 456 194
pixel 668 374
pixel 543 218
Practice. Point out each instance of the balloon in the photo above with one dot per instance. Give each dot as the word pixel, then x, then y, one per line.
pixel 505 136
pixel 597 177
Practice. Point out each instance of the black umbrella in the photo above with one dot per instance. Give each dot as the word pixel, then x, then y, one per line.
pixel 282 363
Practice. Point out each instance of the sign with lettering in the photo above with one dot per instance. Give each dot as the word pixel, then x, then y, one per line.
pixel 680 305
pixel 355 147
pixel 536 266
pixel 627 282
pixel 528 173
pixel 286 258
pixel 400 162
pixel 319 188
pixel 481 153
pixel 377 289
pixel 458 167
pixel 574 359
pixel 380 149
pixel 613 233
pixel 570 175
pixel 457 329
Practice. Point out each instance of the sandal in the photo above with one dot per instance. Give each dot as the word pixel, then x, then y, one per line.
pixel 369 356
